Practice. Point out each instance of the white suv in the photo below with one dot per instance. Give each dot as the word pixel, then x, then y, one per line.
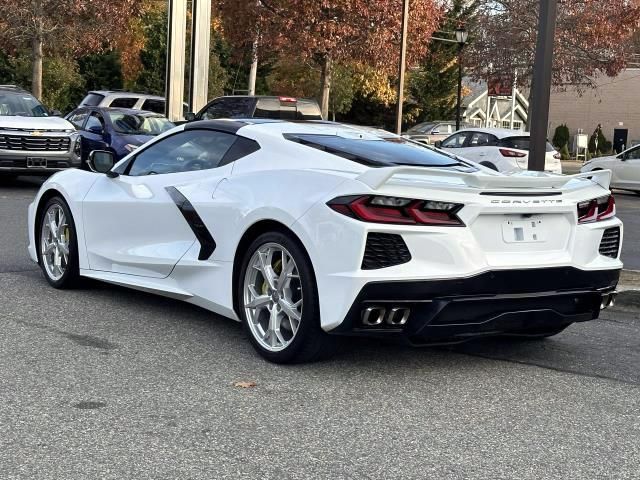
pixel 135 101
pixel 500 149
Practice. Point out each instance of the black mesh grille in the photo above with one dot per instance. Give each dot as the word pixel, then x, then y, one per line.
pixel 610 243
pixel 34 143
pixel 384 250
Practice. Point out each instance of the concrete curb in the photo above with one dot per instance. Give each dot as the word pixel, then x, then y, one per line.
pixel 629 280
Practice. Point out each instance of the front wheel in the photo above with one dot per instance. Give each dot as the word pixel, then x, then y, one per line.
pixel 58 245
pixel 278 301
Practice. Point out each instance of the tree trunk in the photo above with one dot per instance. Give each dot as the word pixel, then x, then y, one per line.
pixel 325 79
pixel 36 53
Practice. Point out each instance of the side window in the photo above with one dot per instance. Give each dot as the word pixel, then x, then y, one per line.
pixel 77 118
pixel 633 154
pixel 479 139
pixel 455 141
pixel 230 107
pixel 155 106
pixel 183 152
pixel 95 123
pixel 124 102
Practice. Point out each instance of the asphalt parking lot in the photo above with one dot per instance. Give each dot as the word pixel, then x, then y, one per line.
pixel 108 383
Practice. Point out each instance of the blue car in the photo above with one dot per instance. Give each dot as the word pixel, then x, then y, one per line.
pixel 118 130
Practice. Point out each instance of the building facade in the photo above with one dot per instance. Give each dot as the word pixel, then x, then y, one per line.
pixel 482 110
pixel 614 104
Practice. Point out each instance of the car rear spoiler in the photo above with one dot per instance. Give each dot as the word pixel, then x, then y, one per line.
pixel 377 177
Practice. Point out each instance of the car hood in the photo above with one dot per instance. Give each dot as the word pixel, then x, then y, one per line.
pixel 34 123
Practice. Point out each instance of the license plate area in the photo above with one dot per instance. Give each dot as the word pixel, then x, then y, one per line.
pixel 523 230
pixel 36 162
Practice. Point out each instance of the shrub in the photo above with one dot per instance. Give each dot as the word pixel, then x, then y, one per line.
pixel 604 145
pixel 561 136
pixel 564 152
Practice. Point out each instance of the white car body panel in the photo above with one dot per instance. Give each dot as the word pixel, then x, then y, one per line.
pixel 625 168
pixel 131 233
pixel 492 154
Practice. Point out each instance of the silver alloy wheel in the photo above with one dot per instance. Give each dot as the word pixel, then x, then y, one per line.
pixel 272 295
pixel 54 242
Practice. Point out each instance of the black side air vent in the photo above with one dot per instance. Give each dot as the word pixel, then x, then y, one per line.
pixel 610 243
pixel 207 243
pixel 384 250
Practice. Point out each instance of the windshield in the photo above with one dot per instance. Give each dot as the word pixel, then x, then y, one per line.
pixel 136 124
pixel 21 105
pixel 421 128
pixel 377 152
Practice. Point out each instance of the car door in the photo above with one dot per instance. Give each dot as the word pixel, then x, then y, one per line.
pixel 626 169
pixel 455 143
pixel 137 223
pixel 94 134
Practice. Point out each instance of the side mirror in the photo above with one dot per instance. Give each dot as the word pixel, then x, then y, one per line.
pixel 55 113
pixel 438 144
pixel 95 129
pixel 101 161
pixel 190 116
pixel 435 132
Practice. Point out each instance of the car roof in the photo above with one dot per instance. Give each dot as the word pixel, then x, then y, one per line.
pixel 497 132
pixel 14 88
pixel 274 97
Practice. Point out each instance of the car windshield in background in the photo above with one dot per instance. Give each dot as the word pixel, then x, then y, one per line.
pixel 92 99
pixel 521 143
pixel 21 105
pixel 377 152
pixel 133 124
pixel 421 128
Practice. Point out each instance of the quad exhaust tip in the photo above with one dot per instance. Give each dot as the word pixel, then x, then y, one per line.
pixel 608 300
pixel 381 316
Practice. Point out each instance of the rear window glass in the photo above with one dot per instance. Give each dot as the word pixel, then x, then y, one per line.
pixel 521 143
pixel 155 106
pixel 92 99
pixel 376 153
pixel 229 107
pixel 123 102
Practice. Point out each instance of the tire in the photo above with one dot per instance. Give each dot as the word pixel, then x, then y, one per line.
pixel 489 165
pixel 67 273
pixel 296 341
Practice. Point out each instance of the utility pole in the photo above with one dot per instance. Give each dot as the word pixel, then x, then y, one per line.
pixel 542 83
pixel 514 92
pixel 176 44
pixel 403 58
pixel 200 52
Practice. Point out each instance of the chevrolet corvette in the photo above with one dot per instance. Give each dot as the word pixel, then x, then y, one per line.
pixel 304 231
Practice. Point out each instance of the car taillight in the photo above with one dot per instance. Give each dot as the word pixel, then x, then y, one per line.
pixel 287 99
pixel 398 211
pixel 597 209
pixel 511 153
pixel 557 156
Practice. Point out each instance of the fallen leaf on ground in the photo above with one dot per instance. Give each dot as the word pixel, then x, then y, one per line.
pixel 244 384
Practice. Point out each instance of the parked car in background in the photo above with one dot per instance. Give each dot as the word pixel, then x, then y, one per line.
pixel 500 149
pixel 243 106
pixel 625 168
pixel 431 132
pixel 117 99
pixel 118 130
pixel 32 141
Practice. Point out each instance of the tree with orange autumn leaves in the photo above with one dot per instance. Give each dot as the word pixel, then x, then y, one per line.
pixel 327 32
pixel 592 37
pixel 76 27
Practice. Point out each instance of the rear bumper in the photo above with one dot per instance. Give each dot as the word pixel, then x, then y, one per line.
pixel 492 303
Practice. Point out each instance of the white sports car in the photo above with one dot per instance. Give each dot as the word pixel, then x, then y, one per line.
pixel 306 230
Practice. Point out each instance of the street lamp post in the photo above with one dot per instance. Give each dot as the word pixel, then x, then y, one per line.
pixel 461 38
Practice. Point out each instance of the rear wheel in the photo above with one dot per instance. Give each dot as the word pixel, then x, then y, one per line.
pixel 278 301
pixel 58 245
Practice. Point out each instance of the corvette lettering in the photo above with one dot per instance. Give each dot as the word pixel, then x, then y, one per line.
pixel 526 202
